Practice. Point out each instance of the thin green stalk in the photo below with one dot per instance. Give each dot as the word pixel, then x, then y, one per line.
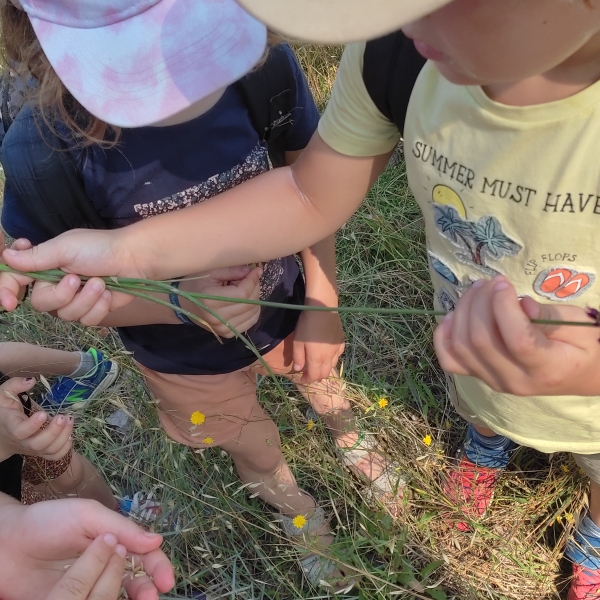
pixel 165 288
pixel 130 285
pixel 169 289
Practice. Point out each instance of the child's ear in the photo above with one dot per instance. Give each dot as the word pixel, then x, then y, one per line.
pixel 16 4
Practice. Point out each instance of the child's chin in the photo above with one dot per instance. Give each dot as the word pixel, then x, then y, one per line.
pixel 454 75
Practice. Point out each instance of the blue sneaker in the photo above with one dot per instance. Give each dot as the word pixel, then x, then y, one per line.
pixel 77 392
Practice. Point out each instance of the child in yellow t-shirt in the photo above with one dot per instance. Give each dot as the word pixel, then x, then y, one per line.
pixel 501 145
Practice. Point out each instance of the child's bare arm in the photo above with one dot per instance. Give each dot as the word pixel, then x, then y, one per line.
pixel 490 336
pixel 273 215
pixel 233 282
pixel 89 307
pixel 83 480
pixel 319 336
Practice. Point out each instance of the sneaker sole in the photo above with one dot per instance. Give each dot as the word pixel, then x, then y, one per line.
pixel 108 380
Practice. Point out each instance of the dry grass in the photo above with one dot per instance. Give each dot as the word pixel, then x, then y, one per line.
pixel 227 542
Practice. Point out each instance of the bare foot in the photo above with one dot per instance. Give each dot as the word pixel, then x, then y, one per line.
pixel 371 466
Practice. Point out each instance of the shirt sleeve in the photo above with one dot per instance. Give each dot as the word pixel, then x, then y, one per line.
pixel 352 124
pixel 16 221
pixel 305 115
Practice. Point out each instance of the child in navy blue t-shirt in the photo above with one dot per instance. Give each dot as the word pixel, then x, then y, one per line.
pixel 183 142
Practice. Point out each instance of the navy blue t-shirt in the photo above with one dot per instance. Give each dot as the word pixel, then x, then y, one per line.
pixel 155 170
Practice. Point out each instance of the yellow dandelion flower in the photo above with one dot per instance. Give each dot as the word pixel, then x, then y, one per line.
pixel 569 518
pixel 564 468
pixel 383 402
pixel 299 522
pixel 207 440
pixel 427 440
pixel 310 425
pixel 581 472
pixel 197 418
pixel 559 519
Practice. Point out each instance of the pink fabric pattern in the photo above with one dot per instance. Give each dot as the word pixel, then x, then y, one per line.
pixel 86 13
pixel 149 59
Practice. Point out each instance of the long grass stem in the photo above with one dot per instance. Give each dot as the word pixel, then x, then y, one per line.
pixel 135 287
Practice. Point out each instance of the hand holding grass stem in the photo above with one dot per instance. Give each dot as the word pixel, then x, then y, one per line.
pixel 144 287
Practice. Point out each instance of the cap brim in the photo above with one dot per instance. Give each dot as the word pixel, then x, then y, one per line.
pixel 146 69
pixel 338 21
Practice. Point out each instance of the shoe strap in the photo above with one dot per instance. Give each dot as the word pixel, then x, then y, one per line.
pixel 359 441
pixel 313 523
pixel 317 568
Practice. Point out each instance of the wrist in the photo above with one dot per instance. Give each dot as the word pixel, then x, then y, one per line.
pixel 175 301
pixel 320 297
pixel 123 241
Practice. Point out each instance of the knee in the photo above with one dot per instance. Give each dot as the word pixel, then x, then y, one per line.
pixel 263 461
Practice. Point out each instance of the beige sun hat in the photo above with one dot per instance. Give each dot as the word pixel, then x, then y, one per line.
pixel 338 21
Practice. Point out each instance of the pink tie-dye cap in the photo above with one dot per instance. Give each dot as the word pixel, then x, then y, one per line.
pixel 136 62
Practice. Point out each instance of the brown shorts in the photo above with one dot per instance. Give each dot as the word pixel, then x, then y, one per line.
pixel 210 410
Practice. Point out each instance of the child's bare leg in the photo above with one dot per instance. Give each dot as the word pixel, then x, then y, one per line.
pixel 595 502
pixel 28 360
pixel 485 431
pixel 258 459
pixel 329 401
pixel 81 479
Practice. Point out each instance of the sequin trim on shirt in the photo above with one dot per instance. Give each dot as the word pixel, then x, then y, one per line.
pixel 256 162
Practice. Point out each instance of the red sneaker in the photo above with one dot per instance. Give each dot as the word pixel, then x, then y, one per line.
pixel 585 584
pixel 471 488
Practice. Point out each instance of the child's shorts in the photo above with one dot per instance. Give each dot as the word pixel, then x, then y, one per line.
pixel 210 410
pixel 589 463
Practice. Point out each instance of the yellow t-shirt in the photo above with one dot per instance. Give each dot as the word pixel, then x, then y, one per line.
pixel 503 189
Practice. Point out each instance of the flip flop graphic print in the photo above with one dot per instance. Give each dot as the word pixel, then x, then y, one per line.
pixel 573 286
pixel 562 283
pixel 555 279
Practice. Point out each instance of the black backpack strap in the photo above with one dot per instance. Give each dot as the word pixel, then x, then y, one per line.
pixel 4 100
pixel 270 95
pixel 10 476
pixel 390 70
pixel 44 177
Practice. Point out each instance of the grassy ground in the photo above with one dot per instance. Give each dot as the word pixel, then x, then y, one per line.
pixel 228 542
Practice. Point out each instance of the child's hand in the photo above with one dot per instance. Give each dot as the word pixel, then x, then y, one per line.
pixel 233 282
pixel 11 285
pixel 92 252
pixel 89 305
pixel 490 336
pixel 70 301
pixel 37 543
pixel 20 434
pixel 82 251
pixel 96 575
pixel 318 344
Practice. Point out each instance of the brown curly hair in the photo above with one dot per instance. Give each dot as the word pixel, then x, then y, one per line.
pixel 22 51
